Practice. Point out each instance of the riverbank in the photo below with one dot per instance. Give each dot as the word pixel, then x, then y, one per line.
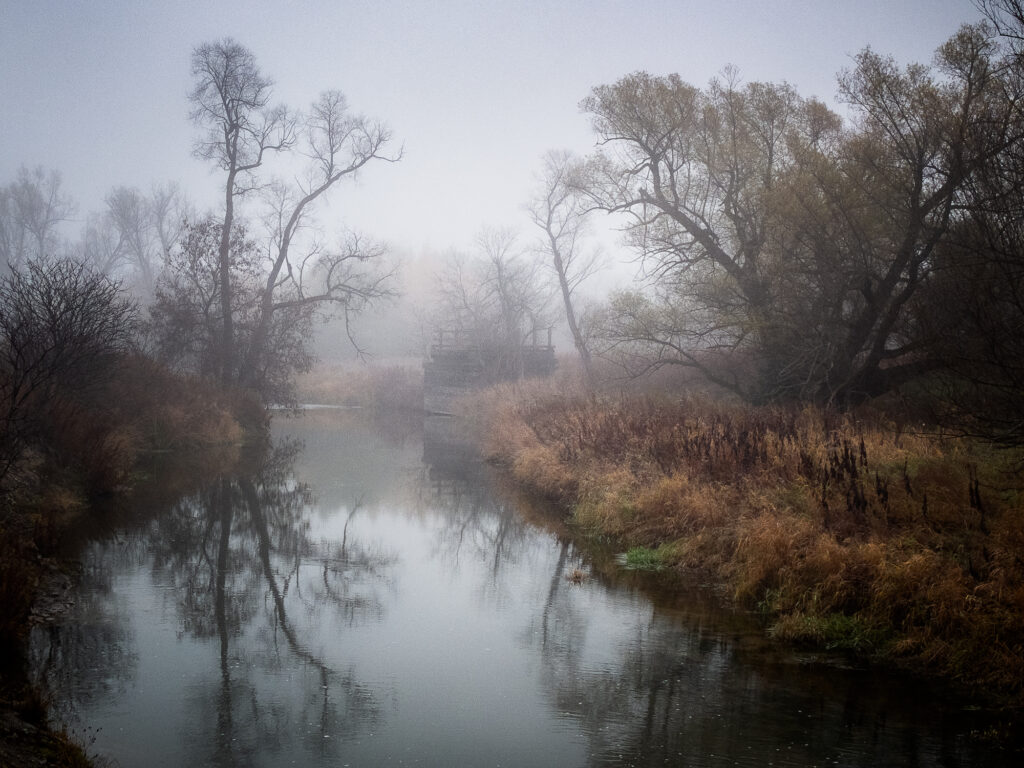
pixel 844 531
pixel 86 458
pixel 26 737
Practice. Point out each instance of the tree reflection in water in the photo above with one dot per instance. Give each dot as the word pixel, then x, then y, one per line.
pixel 294 643
pixel 239 561
pixel 674 682
pixel 93 640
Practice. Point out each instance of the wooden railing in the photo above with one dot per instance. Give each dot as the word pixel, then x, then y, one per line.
pixel 453 338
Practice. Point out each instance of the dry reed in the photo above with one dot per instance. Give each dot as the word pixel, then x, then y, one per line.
pixel 849 533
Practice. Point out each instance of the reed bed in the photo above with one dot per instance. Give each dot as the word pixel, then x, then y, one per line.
pixel 845 530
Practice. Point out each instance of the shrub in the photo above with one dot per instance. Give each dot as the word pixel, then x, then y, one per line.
pixel 63 326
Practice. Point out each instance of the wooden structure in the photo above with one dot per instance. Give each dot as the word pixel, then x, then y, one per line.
pixel 456 367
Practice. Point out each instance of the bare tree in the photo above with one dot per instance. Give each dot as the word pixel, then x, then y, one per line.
pixel 169 210
pixel 101 244
pixel 31 209
pixel 185 319
pixel 558 209
pixel 1007 16
pixel 61 325
pixel 346 278
pixel 494 301
pixel 130 238
pixel 300 273
pixel 132 216
pixel 230 101
pixel 148 227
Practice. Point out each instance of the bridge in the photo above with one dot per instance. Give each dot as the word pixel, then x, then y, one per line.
pixel 457 366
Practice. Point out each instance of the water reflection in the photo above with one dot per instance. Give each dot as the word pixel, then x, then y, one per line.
pixel 236 565
pixel 681 680
pixel 351 597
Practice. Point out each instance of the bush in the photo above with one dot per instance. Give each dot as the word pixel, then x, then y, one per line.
pixel 62 328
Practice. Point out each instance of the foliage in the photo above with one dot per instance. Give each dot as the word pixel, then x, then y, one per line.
pixel 835 631
pixel 790 257
pixel 79 402
pixel 974 312
pixel 644 559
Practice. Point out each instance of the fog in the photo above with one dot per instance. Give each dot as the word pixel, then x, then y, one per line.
pixel 812 213
pixel 474 94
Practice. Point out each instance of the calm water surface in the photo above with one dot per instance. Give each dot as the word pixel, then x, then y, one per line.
pixel 364 600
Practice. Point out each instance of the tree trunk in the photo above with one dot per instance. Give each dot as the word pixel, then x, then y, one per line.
pixel 227 352
pixel 570 314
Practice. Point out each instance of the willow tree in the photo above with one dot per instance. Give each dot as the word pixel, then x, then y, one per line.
pixel 921 140
pixel 974 303
pixel 787 253
pixel 697 173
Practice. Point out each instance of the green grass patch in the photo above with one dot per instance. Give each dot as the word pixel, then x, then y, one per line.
pixel 645 559
pixel 834 631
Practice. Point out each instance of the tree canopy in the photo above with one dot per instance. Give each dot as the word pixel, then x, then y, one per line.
pixel 790 255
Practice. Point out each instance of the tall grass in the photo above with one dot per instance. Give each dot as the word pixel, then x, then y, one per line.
pixel 376 388
pixel 844 530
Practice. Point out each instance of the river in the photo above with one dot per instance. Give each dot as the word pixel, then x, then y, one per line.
pixel 359 598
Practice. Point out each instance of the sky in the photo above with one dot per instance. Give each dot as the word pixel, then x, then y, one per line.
pixel 475 92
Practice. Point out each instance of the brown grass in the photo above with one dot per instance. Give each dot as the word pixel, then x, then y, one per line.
pixel 165 410
pixel 372 387
pixel 89 444
pixel 845 531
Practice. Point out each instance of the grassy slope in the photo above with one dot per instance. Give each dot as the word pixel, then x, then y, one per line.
pixel 845 534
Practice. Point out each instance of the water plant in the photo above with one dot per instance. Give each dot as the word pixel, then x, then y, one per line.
pixel 644 559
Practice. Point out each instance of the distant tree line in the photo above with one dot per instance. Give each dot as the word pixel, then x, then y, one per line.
pixel 787 254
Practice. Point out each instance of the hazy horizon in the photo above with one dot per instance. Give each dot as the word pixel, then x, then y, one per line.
pixel 475 93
